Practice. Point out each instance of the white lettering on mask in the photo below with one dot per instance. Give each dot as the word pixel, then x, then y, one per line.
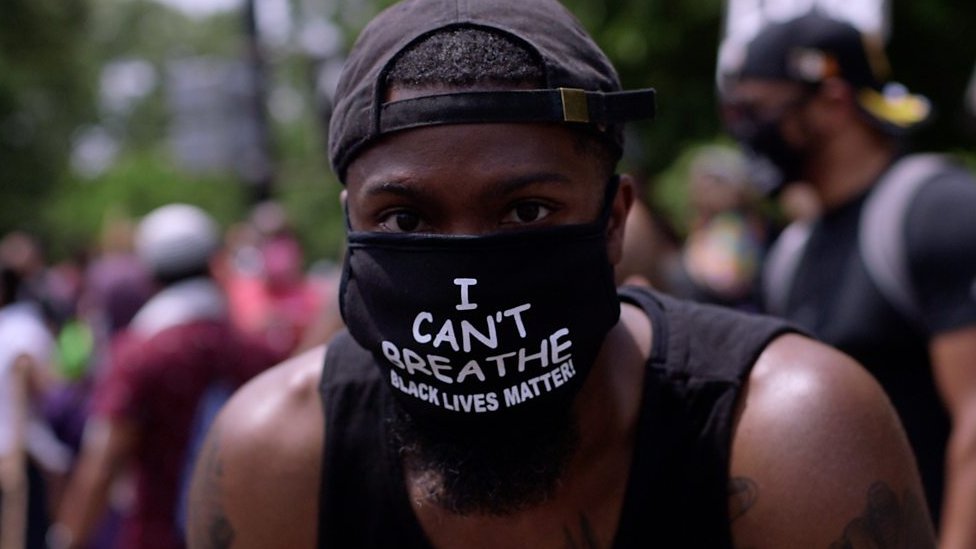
pixel 551 351
pixel 464 283
pixel 539 385
pixel 484 333
pixel 414 369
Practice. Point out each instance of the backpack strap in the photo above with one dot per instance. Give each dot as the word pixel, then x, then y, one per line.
pixel 882 243
pixel 782 261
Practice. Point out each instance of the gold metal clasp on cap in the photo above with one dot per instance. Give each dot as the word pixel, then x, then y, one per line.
pixel 575 108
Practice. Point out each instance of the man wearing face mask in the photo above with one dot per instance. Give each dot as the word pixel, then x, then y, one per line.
pixel 494 389
pixel 887 273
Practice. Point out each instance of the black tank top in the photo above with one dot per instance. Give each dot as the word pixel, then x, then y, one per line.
pixel 677 491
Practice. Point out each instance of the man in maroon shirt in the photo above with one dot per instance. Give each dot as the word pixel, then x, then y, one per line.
pixel 179 348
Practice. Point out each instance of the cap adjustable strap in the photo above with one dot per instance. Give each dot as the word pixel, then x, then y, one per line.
pixel 555 105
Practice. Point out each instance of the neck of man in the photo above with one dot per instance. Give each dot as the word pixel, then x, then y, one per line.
pixel 609 403
pixel 849 165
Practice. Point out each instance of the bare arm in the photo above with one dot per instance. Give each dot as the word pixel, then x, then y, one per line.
pixel 13 480
pixel 208 524
pixel 819 458
pixel 106 447
pixel 256 483
pixel 954 361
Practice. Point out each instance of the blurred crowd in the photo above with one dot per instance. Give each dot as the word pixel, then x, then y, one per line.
pixel 78 339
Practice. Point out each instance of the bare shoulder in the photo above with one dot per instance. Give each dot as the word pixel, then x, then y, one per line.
pixel 279 401
pixel 819 457
pixel 256 481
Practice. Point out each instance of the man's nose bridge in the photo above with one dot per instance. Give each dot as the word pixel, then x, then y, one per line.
pixel 465 211
pixel 469 223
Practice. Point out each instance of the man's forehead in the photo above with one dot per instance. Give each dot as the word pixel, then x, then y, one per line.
pixel 503 152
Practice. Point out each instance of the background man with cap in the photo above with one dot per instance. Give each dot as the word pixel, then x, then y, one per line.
pixel 178 346
pixel 887 273
pixel 493 389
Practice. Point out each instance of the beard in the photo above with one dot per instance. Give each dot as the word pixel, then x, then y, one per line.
pixel 496 472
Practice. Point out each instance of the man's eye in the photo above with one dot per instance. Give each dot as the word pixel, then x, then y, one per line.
pixel 528 212
pixel 401 221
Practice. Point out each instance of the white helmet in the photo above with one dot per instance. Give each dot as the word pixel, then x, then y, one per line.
pixel 177 240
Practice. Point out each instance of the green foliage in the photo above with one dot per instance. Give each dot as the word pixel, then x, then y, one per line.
pixel 308 190
pixel 155 34
pixel 44 95
pixel 148 30
pixel 668 194
pixel 669 45
pixel 138 183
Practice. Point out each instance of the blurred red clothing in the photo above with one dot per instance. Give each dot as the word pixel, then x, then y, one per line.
pixel 157 383
pixel 280 302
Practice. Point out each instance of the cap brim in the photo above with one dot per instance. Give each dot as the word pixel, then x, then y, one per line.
pixel 897 113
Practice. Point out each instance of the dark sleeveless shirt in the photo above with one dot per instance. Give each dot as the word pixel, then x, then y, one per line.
pixel 677 488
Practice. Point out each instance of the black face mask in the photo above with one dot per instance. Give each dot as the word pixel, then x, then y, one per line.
pixel 471 332
pixel 766 141
pixel 774 161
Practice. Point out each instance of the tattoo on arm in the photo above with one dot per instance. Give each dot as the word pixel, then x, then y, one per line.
pixel 743 492
pixel 208 527
pixel 587 537
pixel 889 523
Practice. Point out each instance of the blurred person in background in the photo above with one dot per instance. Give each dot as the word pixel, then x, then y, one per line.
pixel 270 294
pixel 887 271
pixel 30 454
pixel 651 253
pixel 116 284
pixel 178 359
pixel 52 289
pixel 728 234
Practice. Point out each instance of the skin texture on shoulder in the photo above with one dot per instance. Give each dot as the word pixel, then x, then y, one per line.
pixel 819 458
pixel 261 457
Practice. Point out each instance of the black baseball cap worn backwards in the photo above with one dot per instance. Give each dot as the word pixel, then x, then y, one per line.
pixel 814 47
pixel 581 86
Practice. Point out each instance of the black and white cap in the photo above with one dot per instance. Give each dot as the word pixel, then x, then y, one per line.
pixel 581 86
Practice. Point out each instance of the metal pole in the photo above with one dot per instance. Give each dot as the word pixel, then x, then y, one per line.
pixel 262 179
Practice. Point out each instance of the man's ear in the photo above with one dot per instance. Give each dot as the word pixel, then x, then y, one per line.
pixel 618 217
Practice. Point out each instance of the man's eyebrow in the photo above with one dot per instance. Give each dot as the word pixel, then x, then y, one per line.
pixel 514 184
pixel 504 187
pixel 395 187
